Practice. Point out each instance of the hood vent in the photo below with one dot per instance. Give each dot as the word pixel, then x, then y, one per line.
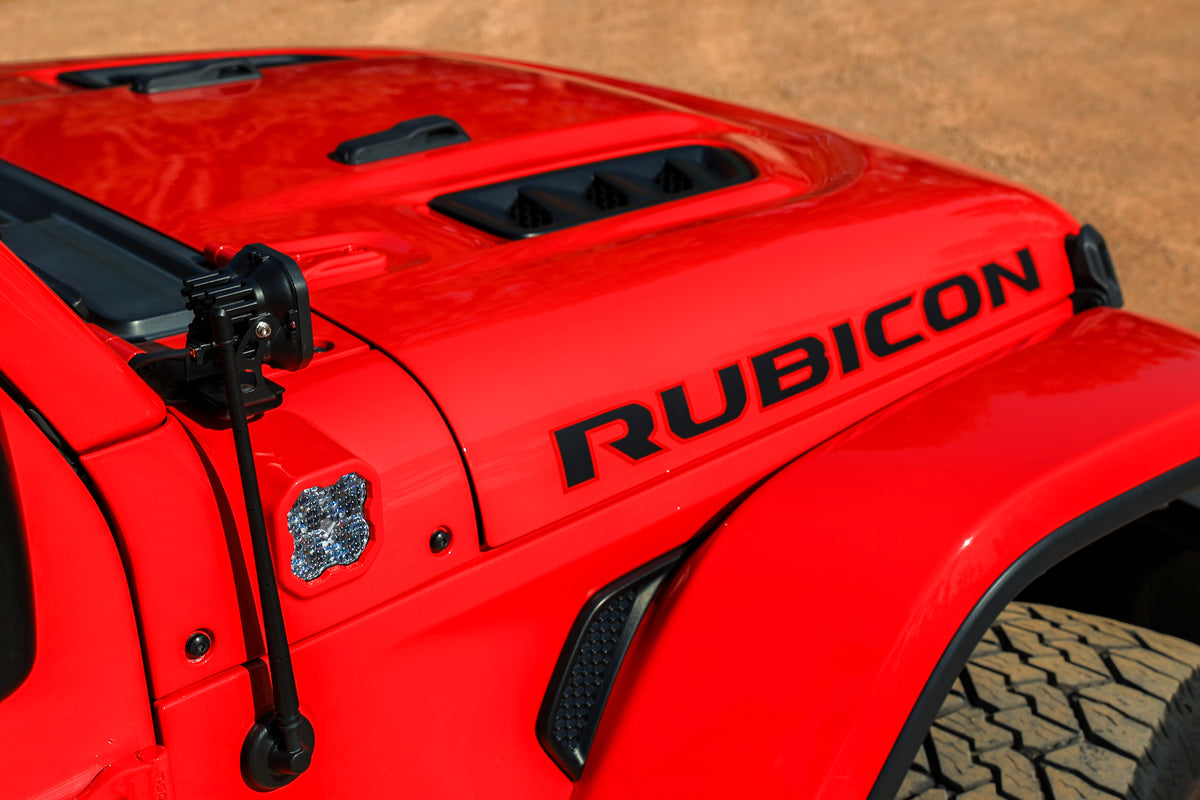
pixel 410 136
pixel 552 201
pixel 672 180
pixel 604 195
pixel 163 76
pixel 528 214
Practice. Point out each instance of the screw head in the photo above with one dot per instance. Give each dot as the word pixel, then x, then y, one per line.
pixel 197 645
pixel 263 329
pixel 440 540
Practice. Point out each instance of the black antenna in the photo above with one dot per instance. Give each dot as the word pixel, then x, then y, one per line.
pixel 253 312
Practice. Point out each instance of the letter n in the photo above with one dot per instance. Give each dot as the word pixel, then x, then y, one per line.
pixel 993 273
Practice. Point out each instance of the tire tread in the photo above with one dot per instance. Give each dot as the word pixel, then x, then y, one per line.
pixel 1060 705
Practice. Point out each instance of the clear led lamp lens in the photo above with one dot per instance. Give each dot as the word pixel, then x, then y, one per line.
pixel 328 526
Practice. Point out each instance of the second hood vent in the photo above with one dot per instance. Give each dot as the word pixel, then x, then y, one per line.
pixel 551 201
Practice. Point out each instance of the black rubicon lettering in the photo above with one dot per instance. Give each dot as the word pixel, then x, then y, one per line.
pixel 792 369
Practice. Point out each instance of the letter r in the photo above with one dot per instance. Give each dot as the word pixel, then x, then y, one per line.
pixel 575 450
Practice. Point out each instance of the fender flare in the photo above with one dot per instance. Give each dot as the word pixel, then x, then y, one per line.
pixel 1075 535
pixel 806 645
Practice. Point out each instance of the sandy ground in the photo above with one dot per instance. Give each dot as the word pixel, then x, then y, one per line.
pixel 1096 104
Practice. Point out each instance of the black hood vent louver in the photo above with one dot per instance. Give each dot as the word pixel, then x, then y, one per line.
pixel 604 195
pixel 673 180
pixel 551 201
pixel 528 214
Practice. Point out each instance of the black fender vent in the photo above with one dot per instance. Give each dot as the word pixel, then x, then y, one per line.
pixel 551 201
pixel 590 660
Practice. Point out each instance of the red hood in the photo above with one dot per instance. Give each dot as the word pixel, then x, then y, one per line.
pixel 250 158
pixel 519 340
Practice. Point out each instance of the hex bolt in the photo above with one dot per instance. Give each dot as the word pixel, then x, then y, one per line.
pixel 263 329
pixel 198 645
pixel 440 540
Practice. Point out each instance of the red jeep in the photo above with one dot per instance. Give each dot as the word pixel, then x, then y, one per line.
pixel 590 439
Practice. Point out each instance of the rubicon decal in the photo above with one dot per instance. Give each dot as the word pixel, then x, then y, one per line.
pixel 799 366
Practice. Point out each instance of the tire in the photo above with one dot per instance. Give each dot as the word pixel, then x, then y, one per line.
pixel 1060 705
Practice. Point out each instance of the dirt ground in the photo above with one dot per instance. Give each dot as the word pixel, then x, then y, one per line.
pixel 1094 103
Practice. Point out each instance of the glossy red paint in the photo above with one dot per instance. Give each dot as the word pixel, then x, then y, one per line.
pixel 465 659
pixel 517 339
pixel 332 424
pixel 84 705
pixel 241 137
pixel 446 361
pixel 498 620
pixel 836 586
pixel 168 523
pixel 43 331
pixel 145 774
pixel 567 329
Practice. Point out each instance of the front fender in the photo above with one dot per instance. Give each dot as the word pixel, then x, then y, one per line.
pixel 837 603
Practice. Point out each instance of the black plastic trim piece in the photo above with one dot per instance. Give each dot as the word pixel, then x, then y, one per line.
pixel 110 270
pixel 72 460
pixel 211 73
pixel 172 75
pixel 260 744
pixel 410 136
pixel 1075 535
pixel 590 660
pixel 17 642
pixel 551 201
pixel 1096 281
